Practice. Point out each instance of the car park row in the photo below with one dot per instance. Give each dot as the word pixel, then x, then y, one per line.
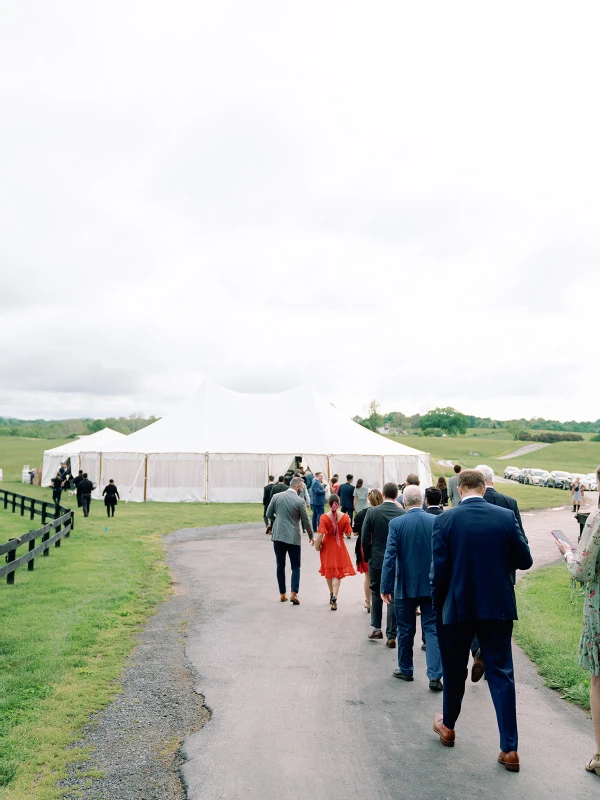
pixel 557 479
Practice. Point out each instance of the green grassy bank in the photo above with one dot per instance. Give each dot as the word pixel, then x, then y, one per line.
pixel 67 629
pixel 549 628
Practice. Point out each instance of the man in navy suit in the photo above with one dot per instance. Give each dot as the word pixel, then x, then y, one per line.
pixel 476 548
pixel 405 572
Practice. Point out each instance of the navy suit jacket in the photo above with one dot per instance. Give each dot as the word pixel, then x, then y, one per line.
pixel 476 547
pixel 408 555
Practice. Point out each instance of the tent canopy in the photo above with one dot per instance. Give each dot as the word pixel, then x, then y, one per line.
pixel 95 442
pixel 221 445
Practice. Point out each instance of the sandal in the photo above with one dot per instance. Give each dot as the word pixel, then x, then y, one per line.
pixel 333 602
pixel 593 764
pixel 330 598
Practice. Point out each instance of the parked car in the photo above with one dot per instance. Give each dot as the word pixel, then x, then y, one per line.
pixel 510 473
pixel 586 480
pixel 523 474
pixel 559 480
pixel 592 481
pixel 537 477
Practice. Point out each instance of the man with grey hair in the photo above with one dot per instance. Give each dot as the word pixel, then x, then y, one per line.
pixel 505 501
pixel 286 511
pixel 405 572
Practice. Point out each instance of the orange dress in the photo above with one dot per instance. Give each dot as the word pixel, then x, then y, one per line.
pixel 335 559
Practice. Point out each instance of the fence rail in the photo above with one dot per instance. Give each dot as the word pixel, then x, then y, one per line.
pixel 62 523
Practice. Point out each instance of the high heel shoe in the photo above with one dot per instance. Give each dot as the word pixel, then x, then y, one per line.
pixel 333 602
pixel 330 598
pixel 593 764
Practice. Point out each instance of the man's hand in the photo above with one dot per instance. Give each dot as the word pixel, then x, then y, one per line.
pixel 387 598
pixel 269 530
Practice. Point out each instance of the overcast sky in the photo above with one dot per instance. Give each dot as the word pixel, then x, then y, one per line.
pixel 392 200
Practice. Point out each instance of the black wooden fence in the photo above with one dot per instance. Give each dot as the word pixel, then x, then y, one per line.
pixel 51 533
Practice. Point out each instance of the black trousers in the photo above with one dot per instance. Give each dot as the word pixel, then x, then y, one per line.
pixel 79 503
pixel 349 511
pixel 391 629
pixel 110 509
pixel 56 495
pixel 496 651
pixel 85 503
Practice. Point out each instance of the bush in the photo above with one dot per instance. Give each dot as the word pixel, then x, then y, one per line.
pixel 433 432
pixel 551 438
pixel 595 438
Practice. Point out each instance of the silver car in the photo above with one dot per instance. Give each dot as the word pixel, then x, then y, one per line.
pixel 537 477
pixel 510 473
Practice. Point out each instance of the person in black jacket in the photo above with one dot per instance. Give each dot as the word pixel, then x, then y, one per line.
pixel 267 494
pixel 375 498
pixel 86 487
pixel 111 494
pixel 77 482
pixel 374 539
pixel 57 487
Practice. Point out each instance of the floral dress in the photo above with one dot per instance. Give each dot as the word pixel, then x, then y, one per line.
pixel 585 568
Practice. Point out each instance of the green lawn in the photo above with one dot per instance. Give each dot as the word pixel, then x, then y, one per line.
pixel 68 626
pixel 16 452
pixel 549 628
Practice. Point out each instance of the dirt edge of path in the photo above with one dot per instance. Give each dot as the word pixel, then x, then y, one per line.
pixel 135 742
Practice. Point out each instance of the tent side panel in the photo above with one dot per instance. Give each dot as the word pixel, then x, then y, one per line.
pixel 236 477
pixel 424 469
pixel 280 464
pixel 369 468
pixel 90 463
pixel 176 477
pixel 316 462
pixel 127 471
pixel 50 467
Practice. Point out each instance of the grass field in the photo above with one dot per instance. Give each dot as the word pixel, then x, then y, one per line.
pixel 469 451
pixel 549 628
pixel 68 626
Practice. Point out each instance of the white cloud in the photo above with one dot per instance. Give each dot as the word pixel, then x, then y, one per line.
pixel 394 200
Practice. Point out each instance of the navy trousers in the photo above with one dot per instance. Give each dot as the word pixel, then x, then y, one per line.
pixel 406 619
pixel 318 512
pixel 496 651
pixel 294 551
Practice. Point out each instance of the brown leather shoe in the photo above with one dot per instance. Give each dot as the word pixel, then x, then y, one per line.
pixel 391 643
pixel 478 668
pixel 447 736
pixel 294 599
pixel 510 760
pixel 283 598
pixel 375 635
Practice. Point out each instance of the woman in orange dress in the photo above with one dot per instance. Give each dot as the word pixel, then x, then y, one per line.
pixel 335 560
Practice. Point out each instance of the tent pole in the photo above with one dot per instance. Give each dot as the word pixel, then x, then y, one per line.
pixel 382 472
pixel 100 474
pixel 328 470
pixel 206 477
pixel 145 476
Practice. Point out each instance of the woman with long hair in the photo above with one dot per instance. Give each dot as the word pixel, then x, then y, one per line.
pixel 335 561
pixel 375 498
pixel 584 566
pixel 443 488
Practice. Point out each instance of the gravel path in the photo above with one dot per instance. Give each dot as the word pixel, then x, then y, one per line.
pixel 522 451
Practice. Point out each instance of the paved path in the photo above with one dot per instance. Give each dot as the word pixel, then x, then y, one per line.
pixel 304 707
pixel 523 451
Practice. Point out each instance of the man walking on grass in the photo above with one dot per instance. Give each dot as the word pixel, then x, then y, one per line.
pixel 86 487
pixel 476 548
pixel 286 512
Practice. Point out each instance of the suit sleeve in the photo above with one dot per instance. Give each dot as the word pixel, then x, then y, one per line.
pixel 521 555
pixel 306 526
pixel 270 513
pixel 441 565
pixel 366 535
pixel 388 570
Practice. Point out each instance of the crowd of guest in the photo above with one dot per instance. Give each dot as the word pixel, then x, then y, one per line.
pixel 454 568
pixel 82 487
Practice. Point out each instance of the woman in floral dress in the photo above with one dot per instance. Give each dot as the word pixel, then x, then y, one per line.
pixel 584 566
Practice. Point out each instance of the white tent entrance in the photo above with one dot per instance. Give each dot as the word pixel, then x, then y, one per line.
pixel 81 453
pixel 220 446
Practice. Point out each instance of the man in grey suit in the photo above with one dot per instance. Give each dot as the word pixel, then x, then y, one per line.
pixel 453 494
pixel 374 535
pixel 286 511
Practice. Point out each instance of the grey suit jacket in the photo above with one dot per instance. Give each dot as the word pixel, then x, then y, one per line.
pixel 453 494
pixel 286 511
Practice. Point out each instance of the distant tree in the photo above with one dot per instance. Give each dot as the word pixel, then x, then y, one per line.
pixel 516 427
pixel 448 419
pixel 433 432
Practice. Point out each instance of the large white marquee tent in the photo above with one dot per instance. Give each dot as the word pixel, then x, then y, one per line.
pixel 82 453
pixel 221 445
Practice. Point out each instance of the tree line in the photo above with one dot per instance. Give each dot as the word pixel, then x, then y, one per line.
pixel 71 428
pixel 451 422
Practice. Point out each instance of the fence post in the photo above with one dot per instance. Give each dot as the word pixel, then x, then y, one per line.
pixel 32 509
pixel 45 538
pixel 11 555
pixel 69 522
pixel 5 500
pixel 31 547
pixel 44 512
pixel 58 529
pixel 14 503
